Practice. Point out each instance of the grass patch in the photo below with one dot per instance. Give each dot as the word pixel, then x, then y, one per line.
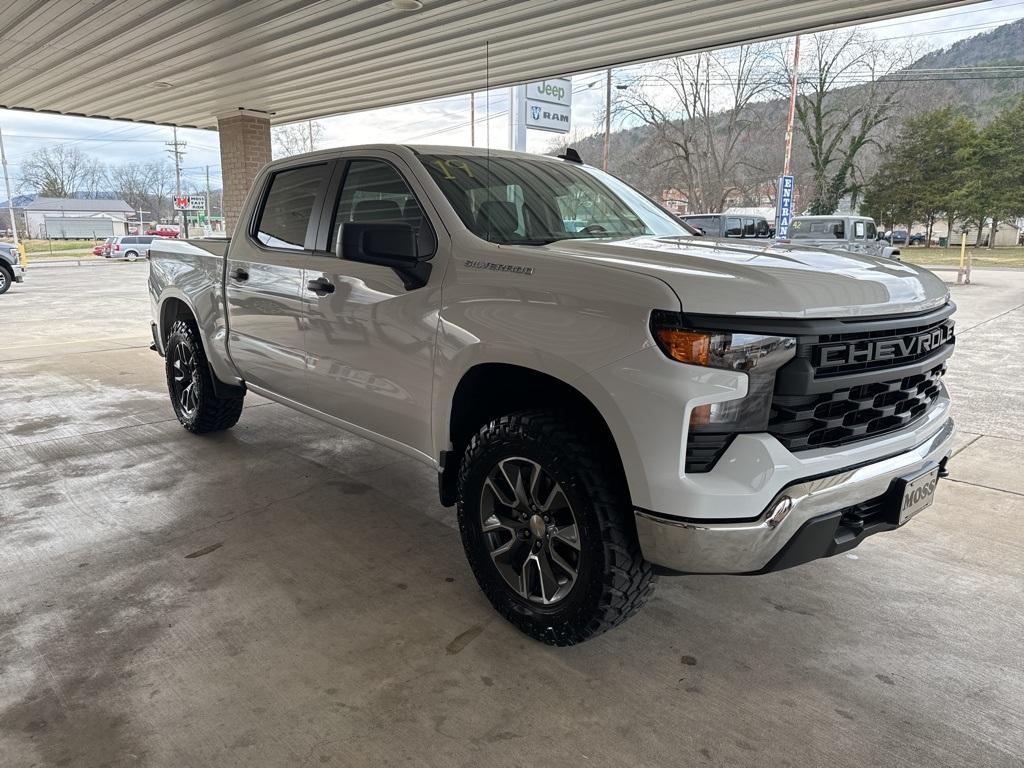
pixel 39 247
pixel 950 257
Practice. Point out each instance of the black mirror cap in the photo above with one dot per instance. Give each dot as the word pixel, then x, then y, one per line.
pixel 385 243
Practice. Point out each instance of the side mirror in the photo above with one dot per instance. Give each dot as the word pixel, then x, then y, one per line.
pixel 387 244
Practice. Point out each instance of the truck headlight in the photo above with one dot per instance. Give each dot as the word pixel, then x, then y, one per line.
pixel 757 355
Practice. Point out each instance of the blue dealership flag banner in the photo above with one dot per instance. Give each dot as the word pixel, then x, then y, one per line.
pixel 785 207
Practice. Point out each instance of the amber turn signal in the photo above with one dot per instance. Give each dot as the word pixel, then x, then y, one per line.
pixel 685 346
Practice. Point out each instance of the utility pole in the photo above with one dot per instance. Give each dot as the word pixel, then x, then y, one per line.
pixel 472 119
pixel 792 107
pixel 177 148
pixel 786 189
pixel 209 224
pixel 309 125
pixel 607 116
pixel 10 200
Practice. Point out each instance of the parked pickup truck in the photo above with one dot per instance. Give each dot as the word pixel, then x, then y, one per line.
pixel 602 400
pixel 11 269
pixel 857 234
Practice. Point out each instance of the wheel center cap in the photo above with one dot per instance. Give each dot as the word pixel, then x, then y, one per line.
pixel 537 527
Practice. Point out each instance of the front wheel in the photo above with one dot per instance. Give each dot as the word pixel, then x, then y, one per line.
pixel 6 278
pixel 547 528
pixel 190 384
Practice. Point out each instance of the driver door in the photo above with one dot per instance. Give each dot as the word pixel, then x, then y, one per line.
pixel 369 339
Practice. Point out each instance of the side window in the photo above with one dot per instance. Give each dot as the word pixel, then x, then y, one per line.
pixel 749 230
pixel 733 228
pixel 375 191
pixel 288 206
pixel 129 241
pixel 762 228
pixel 872 231
pixel 858 230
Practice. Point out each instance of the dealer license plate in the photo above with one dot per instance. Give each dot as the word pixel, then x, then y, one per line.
pixel 918 493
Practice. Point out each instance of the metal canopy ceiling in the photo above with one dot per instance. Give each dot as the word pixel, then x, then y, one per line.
pixel 298 59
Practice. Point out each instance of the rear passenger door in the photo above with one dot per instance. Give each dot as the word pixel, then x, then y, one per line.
pixel 370 340
pixel 264 285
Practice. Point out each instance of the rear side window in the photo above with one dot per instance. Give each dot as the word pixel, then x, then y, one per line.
pixel 129 240
pixel 733 228
pixel 858 230
pixel 288 206
pixel 708 223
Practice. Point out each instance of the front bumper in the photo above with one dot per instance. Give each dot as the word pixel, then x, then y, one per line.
pixel 828 514
pixel 19 273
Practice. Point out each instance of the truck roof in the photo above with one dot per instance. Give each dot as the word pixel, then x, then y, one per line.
pixel 419 149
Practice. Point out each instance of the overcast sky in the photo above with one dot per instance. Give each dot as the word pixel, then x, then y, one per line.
pixel 442 121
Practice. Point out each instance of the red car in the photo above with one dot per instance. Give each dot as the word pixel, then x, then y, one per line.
pixel 162 232
pixel 97 250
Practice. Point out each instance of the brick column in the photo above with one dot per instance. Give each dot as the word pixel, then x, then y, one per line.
pixel 244 150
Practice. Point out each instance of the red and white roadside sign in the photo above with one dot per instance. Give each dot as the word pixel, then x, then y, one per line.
pixel 190 203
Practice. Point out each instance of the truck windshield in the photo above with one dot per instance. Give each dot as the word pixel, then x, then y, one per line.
pixel 521 201
pixel 817 229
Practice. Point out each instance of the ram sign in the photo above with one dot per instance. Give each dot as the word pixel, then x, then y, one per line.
pixel 549 105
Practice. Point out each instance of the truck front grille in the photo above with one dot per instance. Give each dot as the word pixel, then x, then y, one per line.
pixel 837 354
pixel 849 414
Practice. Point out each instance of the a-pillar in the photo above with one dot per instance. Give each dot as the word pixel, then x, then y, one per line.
pixel 244 150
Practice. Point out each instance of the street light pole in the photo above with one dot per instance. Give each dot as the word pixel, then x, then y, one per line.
pixel 7 184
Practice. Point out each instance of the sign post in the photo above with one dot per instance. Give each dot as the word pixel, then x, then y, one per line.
pixel 785 208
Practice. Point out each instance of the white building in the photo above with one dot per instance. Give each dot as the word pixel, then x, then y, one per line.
pixel 60 217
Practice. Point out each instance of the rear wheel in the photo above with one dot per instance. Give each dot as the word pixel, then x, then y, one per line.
pixel 190 384
pixel 6 278
pixel 131 255
pixel 547 528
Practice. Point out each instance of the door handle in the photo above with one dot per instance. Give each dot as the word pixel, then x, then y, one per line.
pixel 239 274
pixel 321 286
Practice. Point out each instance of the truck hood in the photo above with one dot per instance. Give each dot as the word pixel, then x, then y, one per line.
pixel 768 279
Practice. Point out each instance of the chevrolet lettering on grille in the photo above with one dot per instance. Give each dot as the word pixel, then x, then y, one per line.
pixel 872 350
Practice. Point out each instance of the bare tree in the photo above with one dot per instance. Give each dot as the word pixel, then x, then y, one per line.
pixel 130 183
pixel 697 109
pixel 60 171
pixel 836 124
pixel 296 138
pixel 159 175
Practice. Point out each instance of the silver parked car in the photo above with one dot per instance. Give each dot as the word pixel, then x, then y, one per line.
pixel 129 247
pixel 856 234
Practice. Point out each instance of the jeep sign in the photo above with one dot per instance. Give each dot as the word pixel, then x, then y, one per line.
pixel 551 91
pixel 549 105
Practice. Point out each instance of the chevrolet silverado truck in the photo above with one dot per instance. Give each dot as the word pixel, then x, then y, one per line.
pixel 604 396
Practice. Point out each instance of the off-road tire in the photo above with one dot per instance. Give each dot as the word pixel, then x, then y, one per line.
pixel 6 279
pixel 614 581
pixel 211 413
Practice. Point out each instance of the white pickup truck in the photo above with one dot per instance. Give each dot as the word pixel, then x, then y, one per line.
pixel 604 395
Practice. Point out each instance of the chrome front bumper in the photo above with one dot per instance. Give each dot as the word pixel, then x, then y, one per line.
pixel 749 546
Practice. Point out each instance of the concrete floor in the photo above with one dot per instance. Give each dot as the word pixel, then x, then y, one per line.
pixel 289 595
